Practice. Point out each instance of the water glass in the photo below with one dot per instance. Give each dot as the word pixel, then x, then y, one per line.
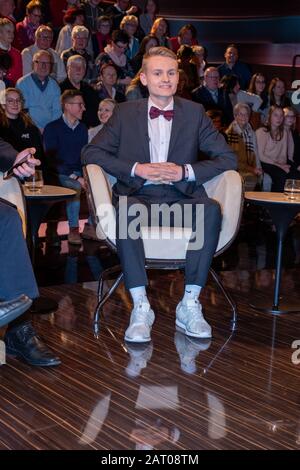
pixel 35 182
pixel 292 189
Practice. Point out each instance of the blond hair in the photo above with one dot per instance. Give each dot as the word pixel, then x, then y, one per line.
pixel 158 52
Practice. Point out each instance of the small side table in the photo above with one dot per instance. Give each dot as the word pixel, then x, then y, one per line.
pixel 282 211
pixel 48 195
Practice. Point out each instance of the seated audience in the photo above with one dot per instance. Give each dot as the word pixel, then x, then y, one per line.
pixel 211 96
pixel 136 90
pixel 105 110
pixel 233 66
pixel 160 30
pixel 25 30
pixel 73 17
pixel 80 37
pixel 290 118
pixel 277 93
pixel 275 148
pixel 185 55
pixel 92 10
pixel 7 32
pixel 102 36
pixel 76 71
pixel 183 89
pixel 16 126
pixel 187 35
pixel 63 141
pixel 258 87
pixel 130 25
pixel 120 9
pixel 43 41
pixel 114 53
pixel 107 85
pixel 146 44
pixel 242 139
pixel 199 60
pixel 231 84
pixel 40 91
pixel 7 8
pixel 148 16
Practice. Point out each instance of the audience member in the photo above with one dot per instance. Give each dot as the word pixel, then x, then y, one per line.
pixel 277 93
pixel 7 31
pixel 146 44
pixel 76 70
pixel 102 36
pixel 25 30
pixel 105 111
pixel 43 41
pixel 231 84
pixel 120 9
pixel 80 37
pixel 185 55
pixel 187 35
pixel 7 8
pixel 63 141
pixel 130 25
pixel 233 66
pixel 92 11
pixel 106 87
pixel 290 119
pixel 160 31
pixel 242 139
pixel 199 60
pixel 136 90
pixel 40 91
pixel 147 18
pixel 73 17
pixel 275 148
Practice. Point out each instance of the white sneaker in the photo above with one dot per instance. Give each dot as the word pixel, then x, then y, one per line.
pixel 141 321
pixel 190 318
pixel 139 354
pixel 188 349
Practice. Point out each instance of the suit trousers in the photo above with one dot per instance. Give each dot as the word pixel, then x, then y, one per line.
pixel 16 273
pixel 131 249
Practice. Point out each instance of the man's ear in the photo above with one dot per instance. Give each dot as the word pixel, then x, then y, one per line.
pixel 143 79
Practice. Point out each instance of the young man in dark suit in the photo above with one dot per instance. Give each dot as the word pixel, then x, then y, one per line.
pixel 151 146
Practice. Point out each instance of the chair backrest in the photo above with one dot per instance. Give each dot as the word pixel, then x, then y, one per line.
pixel 11 191
pixel 226 188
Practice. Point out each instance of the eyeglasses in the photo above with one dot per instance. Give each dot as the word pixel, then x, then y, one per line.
pixel 12 101
pixel 82 105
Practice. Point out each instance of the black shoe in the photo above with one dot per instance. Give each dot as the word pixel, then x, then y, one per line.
pixel 12 309
pixel 22 341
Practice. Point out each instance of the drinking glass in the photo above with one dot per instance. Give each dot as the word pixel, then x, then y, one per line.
pixel 35 182
pixel 292 189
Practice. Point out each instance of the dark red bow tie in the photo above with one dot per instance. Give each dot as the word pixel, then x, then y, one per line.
pixel 155 112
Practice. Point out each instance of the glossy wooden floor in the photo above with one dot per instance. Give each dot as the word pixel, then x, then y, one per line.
pixel 239 391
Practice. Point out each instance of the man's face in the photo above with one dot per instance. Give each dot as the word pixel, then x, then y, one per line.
pixel 76 72
pixel 79 42
pixel 42 66
pixel 109 76
pixel 231 55
pixel 161 76
pixel 212 79
pixel 7 34
pixel 44 39
pixel 75 108
pixel 123 4
pixel 7 7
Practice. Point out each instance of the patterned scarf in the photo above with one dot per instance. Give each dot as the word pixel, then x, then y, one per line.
pixel 235 132
pixel 30 29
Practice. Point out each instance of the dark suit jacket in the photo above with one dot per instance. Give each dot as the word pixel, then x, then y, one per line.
pixel 7 155
pixel 124 140
pixel 203 96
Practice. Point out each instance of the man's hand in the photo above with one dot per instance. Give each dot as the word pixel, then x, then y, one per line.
pixel 28 167
pixel 159 172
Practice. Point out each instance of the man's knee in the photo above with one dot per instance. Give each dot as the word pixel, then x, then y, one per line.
pixel 213 209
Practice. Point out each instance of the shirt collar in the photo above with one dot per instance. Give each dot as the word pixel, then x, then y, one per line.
pixel 71 126
pixel 167 108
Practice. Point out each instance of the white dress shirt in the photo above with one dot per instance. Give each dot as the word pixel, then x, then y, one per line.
pixel 159 132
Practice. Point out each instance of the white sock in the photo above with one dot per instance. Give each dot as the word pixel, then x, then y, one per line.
pixel 191 291
pixel 139 294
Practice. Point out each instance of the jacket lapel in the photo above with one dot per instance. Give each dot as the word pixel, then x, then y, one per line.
pixel 177 125
pixel 142 136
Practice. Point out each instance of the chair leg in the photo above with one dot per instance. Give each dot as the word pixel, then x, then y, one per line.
pixel 103 300
pixel 228 298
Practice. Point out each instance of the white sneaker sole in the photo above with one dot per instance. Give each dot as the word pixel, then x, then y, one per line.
pixel 189 333
pixel 137 340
